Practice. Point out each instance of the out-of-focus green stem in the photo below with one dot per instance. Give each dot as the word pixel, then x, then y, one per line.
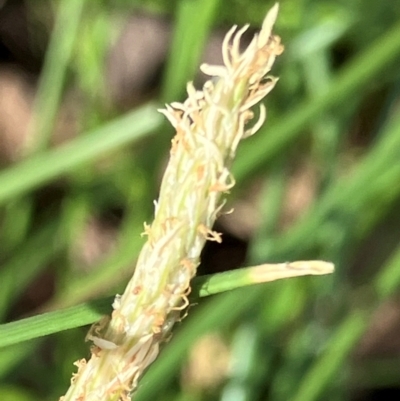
pixel 11 357
pixel 25 264
pixel 324 369
pixel 43 167
pixel 187 45
pixel 346 195
pixel 52 78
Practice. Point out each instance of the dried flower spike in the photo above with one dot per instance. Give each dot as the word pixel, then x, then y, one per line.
pixel 209 126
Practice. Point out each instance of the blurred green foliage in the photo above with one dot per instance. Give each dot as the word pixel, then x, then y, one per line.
pixel 334 110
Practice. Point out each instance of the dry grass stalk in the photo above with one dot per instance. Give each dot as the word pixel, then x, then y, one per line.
pixel 209 126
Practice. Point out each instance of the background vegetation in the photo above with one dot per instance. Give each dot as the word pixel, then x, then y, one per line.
pixel 320 180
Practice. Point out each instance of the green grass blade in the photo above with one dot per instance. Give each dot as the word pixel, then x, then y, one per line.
pixel 44 167
pixel 52 322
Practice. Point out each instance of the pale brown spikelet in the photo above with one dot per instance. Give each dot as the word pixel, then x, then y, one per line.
pixel 209 126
